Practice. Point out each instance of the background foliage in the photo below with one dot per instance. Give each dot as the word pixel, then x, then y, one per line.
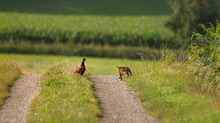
pixel 188 14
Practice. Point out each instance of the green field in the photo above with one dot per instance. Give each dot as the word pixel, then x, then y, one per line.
pixel 116 30
pixel 83 22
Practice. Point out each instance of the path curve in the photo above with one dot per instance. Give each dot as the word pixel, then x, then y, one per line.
pixel 118 102
pixel 23 91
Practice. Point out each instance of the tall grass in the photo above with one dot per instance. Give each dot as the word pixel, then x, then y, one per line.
pixel 168 93
pixel 91 50
pixel 9 72
pixel 64 97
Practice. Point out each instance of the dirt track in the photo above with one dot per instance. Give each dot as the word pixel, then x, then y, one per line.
pixel 118 102
pixel 16 106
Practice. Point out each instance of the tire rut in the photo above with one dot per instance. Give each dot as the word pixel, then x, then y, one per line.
pixel 118 101
pixel 23 91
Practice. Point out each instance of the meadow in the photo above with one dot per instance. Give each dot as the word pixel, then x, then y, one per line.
pixel 166 90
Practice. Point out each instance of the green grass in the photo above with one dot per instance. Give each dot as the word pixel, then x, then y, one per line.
pixel 9 72
pixel 86 7
pixel 41 63
pixel 64 97
pixel 168 94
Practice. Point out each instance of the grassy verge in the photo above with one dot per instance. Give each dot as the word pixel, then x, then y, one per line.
pixel 64 97
pixel 9 72
pixel 168 94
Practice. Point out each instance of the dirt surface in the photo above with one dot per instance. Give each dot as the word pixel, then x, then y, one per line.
pixel 118 102
pixel 22 92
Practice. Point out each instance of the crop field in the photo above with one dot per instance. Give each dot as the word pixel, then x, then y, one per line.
pixel 76 22
pixel 113 30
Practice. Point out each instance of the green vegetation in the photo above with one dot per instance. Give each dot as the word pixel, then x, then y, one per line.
pixel 204 54
pixel 64 97
pixel 47 24
pixel 128 29
pixel 41 63
pixel 167 93
pixel 91 50
pixel 9 72
pixel 188 14
pixel 116 30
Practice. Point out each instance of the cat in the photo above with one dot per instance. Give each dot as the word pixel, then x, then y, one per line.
pixel 124 71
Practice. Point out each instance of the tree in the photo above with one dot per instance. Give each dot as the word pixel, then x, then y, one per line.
pixel 188 14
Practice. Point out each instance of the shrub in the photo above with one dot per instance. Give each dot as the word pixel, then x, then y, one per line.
pixel 204 55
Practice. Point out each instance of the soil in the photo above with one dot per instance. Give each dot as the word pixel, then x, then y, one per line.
pixel 23 91
pixel 119 102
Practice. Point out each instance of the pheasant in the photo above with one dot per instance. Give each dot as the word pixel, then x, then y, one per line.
pixel 81 69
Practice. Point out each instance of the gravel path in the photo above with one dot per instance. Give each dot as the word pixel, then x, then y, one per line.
pixel 16 106
pixel 118 102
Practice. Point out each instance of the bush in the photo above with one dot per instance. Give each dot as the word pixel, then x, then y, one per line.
pixel 204 55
